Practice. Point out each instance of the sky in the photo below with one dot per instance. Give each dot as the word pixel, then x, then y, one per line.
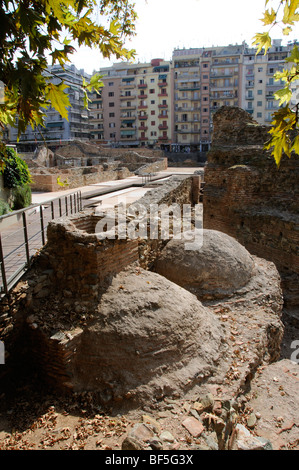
pixel 164 25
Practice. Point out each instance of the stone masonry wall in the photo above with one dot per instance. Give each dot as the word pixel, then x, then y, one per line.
pixel 249 198
pixel 46 180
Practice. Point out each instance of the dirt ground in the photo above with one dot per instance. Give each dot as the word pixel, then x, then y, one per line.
pixel 36 418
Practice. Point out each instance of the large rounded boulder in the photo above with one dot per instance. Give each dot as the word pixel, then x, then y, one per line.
pixel 217 267
pixel 150 337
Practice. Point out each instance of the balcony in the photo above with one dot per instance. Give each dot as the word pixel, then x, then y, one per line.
pixel 222 63
pixel 142 97
pixel 129 107
pixel 162 84
pixel 143 117
pixel 163 94
pixel 221 75
pixel 163 137
pixel 142 85
pixel 142 128
pixel 164 106
pixel 142 106
pixel 163 127
pixel 189 88
pixel 127 97
pixel 163 116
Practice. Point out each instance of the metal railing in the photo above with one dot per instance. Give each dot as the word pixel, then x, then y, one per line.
pixel 24 232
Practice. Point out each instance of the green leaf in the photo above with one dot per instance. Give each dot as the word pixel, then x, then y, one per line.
pixel 294 56
pixel 284 95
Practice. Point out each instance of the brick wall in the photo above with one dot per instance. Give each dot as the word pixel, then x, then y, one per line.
pixel 249 198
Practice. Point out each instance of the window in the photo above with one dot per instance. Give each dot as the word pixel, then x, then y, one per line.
pixel 259 92
pixel 112 136
pixel 153 112
pixel 259 115
pixel 111 93
pixel 153 123
pixel 111 124
pixel 260 103
pixel 260 81
pixel 111 104
pixel 110 83
pixel 152 80
pixel 111 114
pixel 152 90
pixel 260 69
pixel 153 102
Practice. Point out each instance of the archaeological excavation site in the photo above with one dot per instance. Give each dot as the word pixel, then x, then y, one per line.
pixel 121 337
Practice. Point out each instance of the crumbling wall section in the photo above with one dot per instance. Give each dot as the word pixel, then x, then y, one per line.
pixel 248 197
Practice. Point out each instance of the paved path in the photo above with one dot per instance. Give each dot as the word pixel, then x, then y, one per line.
pixel 106 195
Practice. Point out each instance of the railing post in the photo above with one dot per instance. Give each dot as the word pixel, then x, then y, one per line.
pixel 80 197
pixel 52 210
pixel 26 237
pixel 66 210
pixel 71 204
pixel 42 224
pixel 3 268
pixel 60 211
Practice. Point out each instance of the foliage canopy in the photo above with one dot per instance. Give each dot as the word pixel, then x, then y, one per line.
pixel 284 138
pixel 32 30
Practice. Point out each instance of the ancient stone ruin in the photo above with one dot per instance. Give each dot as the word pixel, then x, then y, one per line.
pixel 135 320
pixel 249 198
pixel 103 317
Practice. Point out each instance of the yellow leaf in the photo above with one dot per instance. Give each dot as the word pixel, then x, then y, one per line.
pixel 58 98
pixel 262 40
pixel 269 17
pixel 295 146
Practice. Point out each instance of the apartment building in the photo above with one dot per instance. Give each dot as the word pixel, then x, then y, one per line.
pixel 259 84
pixel 204 80
pixel 166 104
pixel 57 129
pixel 134 108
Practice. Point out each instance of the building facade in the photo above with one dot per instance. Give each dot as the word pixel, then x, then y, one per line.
pixel 167 104
pixel 59 130
pixel 135 107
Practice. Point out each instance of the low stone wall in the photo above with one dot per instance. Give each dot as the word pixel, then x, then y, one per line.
pixel 71 178
pixel 249 198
